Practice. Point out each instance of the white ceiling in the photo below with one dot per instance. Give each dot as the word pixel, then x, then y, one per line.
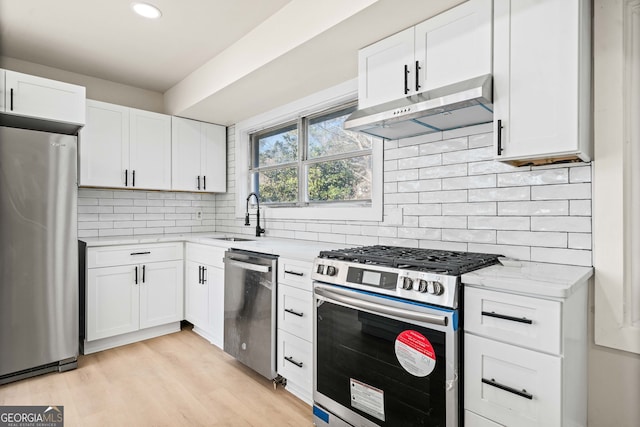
pixel 104 39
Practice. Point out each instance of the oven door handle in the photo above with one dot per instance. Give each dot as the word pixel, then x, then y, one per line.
pixel 340 297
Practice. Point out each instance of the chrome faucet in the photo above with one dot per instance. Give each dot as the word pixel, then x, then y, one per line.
pixel 259 230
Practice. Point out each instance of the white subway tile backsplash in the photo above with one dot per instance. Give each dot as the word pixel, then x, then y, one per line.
pixel 430 209
pixel 499 194
pixel 532 238
pixel 561 256
pixel 420 185
pixel 535 177
pixel 467 131
pixel 491 166
pixel 555 207
pixel 135 212
pixel 466 156
pixel 562 223
pixel 580 174
pixel 580 241
pixel 419 233
pixel 580 207
pixel 402 198
pixel 561 192
pixel 420 162
pixel 390 165
pixel 411 221
pixel 470 209
pixel 402 153
pixel 517 252
pixel 444 146
pixel 408 243
pixel 443 246
pixel 481 140
pixel 443 196
pixel 443 171
pixel 401 175
pixel 479 181
pixel 470 236
pixel 420 139
pixel 361 240
pixel 499 222
pixel 443 221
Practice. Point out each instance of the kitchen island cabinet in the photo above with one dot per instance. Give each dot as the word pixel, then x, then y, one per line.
pixel 199 156
pixel 122 147
pixel 132 292
pixel 542 81
pixel 525 345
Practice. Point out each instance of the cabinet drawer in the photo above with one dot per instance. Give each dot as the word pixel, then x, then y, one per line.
pixel 295 273
pixel 106 256
pixel 530 322
pixel 205 254
pixel 511 385
pixel 295 311
pixel 475 420
pixel 295 357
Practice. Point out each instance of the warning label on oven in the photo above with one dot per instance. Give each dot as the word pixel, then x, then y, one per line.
pixel 415 353
pixel 367 399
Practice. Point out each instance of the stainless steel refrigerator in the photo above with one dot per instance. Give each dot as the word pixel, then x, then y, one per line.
pixel 38 253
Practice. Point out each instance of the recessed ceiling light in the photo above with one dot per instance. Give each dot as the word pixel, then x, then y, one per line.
pixel 146 10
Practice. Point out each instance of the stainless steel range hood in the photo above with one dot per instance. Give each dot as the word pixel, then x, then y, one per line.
pixel 458 105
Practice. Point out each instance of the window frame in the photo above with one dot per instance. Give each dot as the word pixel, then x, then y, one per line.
pixel 303 162
pixel 308 106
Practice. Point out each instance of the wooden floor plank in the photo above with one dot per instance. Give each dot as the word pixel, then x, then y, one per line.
pixel 176 379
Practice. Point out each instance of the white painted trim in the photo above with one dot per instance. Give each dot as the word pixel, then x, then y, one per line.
pixel 612 327
pixel 333 96
pixel 129 338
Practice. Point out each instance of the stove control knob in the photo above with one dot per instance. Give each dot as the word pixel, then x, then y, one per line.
pixel 407 283
pixel 435 288
pixel 320 269
pixel 331 270
pixel 422 286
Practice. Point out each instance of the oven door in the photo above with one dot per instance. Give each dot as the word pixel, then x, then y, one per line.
pixel 382 361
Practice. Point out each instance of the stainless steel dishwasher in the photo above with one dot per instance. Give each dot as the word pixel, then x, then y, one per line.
pixel 250 284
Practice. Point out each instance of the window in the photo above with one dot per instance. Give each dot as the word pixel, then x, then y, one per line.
pixel 312 160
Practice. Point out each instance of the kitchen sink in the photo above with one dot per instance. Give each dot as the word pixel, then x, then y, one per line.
pixel 233 239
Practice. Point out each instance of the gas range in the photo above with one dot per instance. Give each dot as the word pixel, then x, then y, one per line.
pixel 423 275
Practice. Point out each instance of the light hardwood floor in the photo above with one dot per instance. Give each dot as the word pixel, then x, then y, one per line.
pixel 174 380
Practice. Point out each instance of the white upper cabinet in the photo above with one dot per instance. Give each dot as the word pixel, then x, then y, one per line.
pixel 384 69
pixel 199 156
pixel 448 48
pixel 122 147
pixel 104 145
pixel 454 46
pixel 150 150
pixel 542 80
pixel 40 98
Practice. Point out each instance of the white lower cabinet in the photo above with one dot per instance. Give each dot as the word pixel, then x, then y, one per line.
pixel 204 291
pixel 524 359
pixel 133 292
pixel 512 385
pixel 295 327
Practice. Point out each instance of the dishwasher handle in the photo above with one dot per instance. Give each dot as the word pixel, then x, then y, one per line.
pixel 248 265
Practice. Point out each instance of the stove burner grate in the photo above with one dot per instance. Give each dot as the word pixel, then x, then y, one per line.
pixel 431 260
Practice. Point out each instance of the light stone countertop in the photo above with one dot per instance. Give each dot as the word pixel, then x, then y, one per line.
pixel 305 250
pixel 531 278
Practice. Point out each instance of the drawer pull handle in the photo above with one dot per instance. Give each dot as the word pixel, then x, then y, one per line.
pixel 200 274
pixel 295 313
pixel 492 382
pixel 295 273
pixel 141 253
pixel 291 360
pixel 136 278
pixel 505 317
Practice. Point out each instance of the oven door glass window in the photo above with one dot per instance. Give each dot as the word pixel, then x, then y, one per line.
pixel 358 366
